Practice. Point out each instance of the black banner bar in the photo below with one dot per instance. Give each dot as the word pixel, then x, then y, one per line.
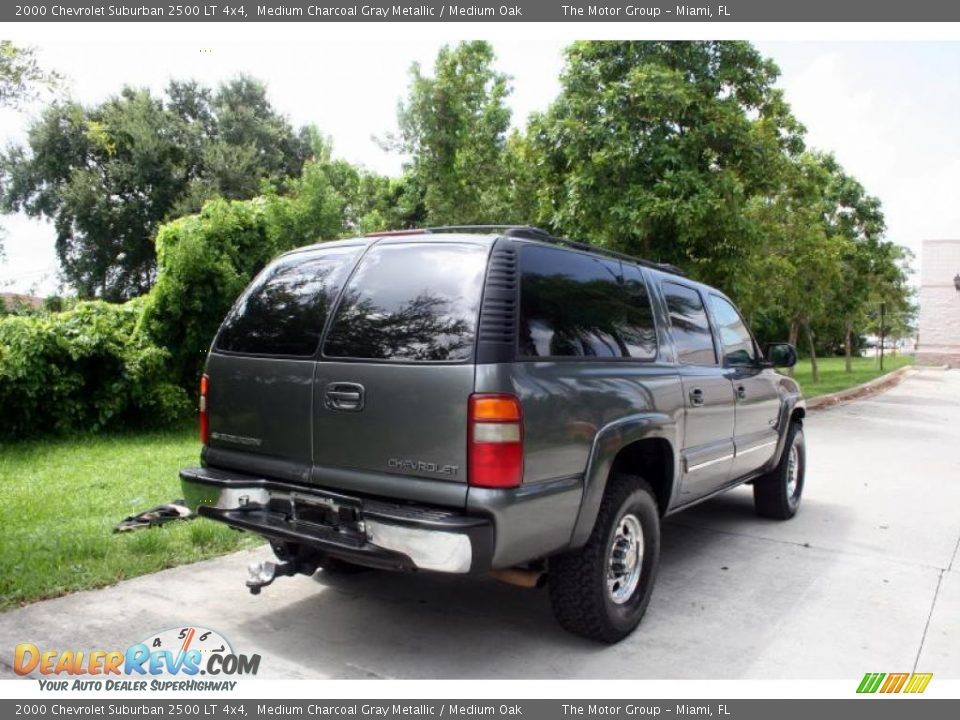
pixel 516 11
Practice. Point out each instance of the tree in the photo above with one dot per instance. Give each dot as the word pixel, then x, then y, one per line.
pixel 656 148
pixel 796 257
pixel 21 77
pixel 108 175
pixel 453 126
pixel 850 213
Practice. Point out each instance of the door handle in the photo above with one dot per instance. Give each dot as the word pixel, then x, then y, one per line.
pixel 344 396
pixel 696 396
pixel 741 392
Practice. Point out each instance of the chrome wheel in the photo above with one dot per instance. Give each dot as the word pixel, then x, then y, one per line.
pixel 625 559
pixel 793 471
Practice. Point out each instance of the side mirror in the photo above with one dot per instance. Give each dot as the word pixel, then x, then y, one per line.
pixel 781 355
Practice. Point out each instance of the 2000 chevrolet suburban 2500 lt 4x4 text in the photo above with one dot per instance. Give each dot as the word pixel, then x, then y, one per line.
pixel 476 399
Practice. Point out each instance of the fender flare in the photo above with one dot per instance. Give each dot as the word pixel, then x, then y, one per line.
pixel 607 443
pixel 790 402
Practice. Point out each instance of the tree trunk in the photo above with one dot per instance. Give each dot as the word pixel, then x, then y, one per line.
pixel 848 347
pixel 792 339
pixel 815 372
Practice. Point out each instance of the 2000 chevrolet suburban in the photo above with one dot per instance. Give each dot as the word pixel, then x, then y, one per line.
pixel 471 400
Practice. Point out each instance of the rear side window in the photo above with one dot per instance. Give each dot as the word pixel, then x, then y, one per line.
pixel 689 326
pixel 578 305
pixel 410 302
pixel 284 310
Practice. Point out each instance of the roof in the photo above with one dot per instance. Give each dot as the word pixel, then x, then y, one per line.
pixel 522 232
pixel 31 301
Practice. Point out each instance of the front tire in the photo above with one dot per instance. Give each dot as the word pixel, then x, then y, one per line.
pixel 602 590
pixel 777 494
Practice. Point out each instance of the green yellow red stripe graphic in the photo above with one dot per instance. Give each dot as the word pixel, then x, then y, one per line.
pixel 894 682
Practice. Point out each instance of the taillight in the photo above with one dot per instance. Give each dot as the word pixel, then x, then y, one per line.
pixel 204 418
pixel 495 443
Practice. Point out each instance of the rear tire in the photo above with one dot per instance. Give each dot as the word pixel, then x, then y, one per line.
pixel 777 494
pixel 602 590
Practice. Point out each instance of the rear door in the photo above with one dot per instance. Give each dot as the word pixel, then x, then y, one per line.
pixel 396 372
pixel 709 417
pixel 261 368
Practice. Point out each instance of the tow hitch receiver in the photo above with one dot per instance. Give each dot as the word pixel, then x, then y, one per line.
pixel 264 573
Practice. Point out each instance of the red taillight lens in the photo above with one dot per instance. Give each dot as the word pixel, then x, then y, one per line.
pixel 495 442
pixel 204 418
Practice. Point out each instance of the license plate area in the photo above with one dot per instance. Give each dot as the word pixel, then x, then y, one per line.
pixel 328 511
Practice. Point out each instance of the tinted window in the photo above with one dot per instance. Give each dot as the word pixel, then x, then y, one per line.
pixel 734 337
pixel 689 326
pixel 410 302
pixel 576 305
pixel 638 330
pixel 283 311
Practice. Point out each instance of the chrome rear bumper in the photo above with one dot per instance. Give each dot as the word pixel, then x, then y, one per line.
pixel 367 531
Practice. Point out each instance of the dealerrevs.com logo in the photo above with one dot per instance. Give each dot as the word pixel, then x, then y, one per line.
pixel 169 660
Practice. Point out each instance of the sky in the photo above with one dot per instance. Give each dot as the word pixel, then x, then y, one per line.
pixel 888 110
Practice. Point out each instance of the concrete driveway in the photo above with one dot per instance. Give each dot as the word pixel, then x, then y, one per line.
pixel 865 578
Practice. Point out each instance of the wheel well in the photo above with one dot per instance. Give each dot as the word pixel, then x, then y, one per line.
pixel 652 459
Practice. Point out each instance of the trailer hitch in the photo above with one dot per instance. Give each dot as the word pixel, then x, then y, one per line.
pixel 264 573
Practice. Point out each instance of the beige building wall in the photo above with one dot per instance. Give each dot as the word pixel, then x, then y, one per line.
pixel 939 331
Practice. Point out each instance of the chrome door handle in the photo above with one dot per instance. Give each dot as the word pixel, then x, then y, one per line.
pixel 741 392
pixel 344 396
pixel 696 396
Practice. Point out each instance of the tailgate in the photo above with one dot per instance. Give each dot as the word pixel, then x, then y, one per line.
pixel 396 370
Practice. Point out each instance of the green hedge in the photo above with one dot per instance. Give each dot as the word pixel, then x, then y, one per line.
pixel 206 260
pixel 83 370
pixel 100 365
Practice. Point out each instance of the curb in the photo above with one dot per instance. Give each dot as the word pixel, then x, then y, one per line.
pixel 858 392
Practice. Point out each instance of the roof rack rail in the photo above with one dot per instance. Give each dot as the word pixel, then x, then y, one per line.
pixel 534 233
pixel 473 228
pixel 542 235
pixel 394 233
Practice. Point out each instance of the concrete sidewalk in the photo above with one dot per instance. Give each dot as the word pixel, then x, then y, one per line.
pixel 865 578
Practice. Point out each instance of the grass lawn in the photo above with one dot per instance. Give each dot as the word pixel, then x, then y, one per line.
pixel 834 377
pixel 63 497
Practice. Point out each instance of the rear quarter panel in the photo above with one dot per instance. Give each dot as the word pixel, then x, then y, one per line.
pixel 567 403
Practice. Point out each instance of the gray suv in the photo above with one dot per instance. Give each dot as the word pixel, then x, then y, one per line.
pixel 488 400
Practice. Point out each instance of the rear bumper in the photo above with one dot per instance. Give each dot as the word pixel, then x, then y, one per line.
pixel 376 533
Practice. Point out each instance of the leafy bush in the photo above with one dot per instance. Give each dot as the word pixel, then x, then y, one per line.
pixel 100 365
pixel 83 370
pixel 206 260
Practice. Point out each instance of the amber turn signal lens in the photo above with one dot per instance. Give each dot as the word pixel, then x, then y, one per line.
pixel 494 408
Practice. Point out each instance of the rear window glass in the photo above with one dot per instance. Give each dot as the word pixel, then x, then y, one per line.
pixel 689 326
pixel 578 305
pixel 410 302
pixel 284 309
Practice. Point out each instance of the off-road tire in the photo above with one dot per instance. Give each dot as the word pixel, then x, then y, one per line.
pixel 771 497
pixel 577 580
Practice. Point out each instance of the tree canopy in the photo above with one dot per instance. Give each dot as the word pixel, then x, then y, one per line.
pixel 681 152
pixel 21 77
pixel 108 175
pixel 453 128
